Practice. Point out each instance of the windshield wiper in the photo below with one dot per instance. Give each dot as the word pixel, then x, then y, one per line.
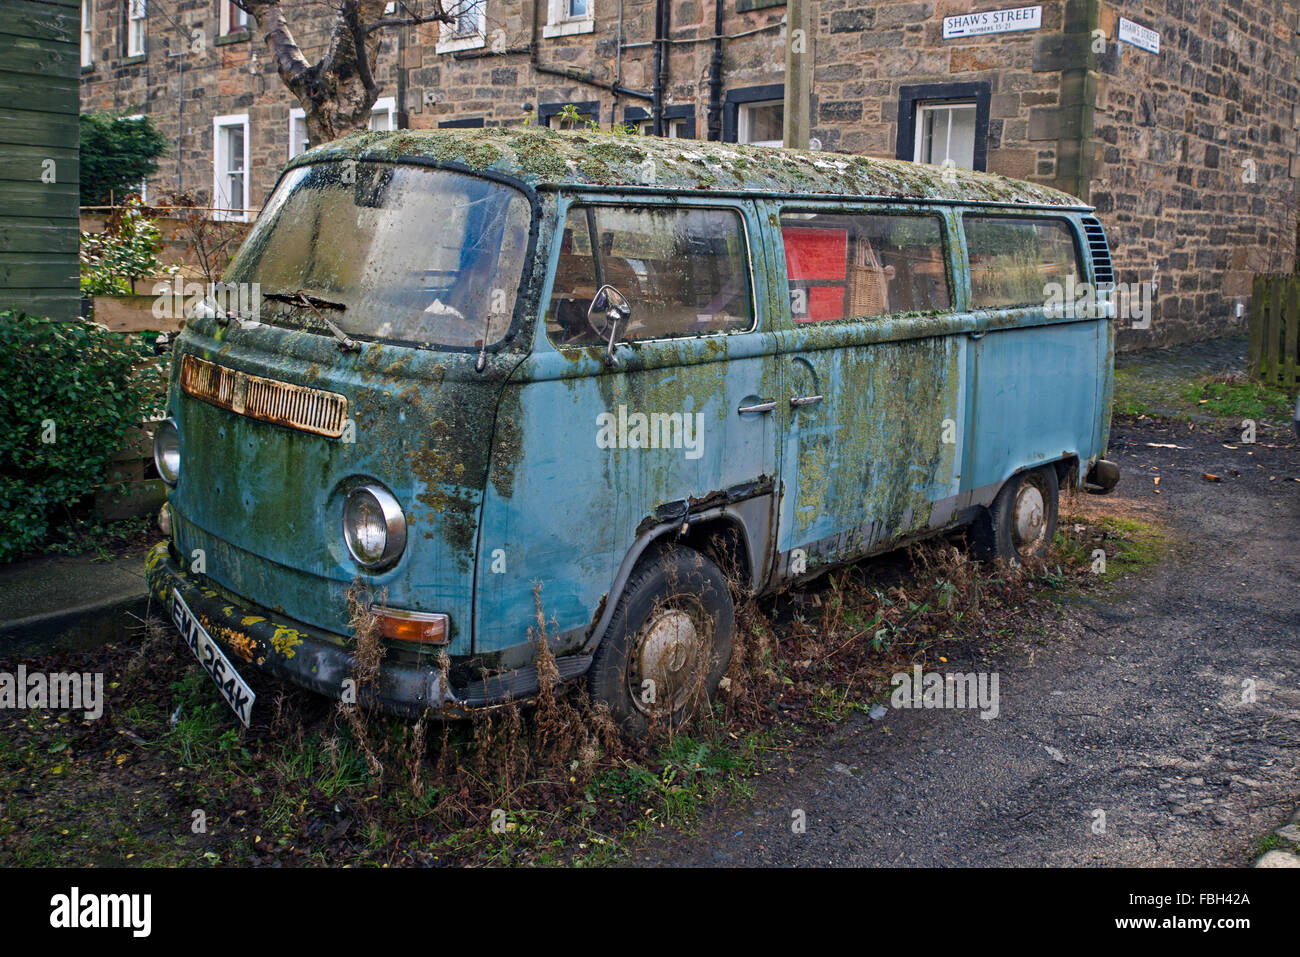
pixel 300 298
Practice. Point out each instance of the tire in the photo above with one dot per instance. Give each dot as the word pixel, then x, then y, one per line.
pixel 1021 522
pixel 673 627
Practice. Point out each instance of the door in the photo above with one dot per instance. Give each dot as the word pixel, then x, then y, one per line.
pixel 605 454
pixel 873 381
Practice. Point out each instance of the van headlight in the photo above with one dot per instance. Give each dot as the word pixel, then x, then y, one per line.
pixel 373 526
pixel 167 451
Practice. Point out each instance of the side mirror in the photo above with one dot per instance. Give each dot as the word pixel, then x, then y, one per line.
pixel 613 305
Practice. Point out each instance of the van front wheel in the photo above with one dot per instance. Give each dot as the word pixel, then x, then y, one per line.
pixel 668 642
pixel 1021 522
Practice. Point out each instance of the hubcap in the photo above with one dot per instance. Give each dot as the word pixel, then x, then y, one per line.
pixel 1028 519
pixel 665 652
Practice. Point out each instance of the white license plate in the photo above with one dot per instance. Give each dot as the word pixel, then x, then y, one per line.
pixel 233 688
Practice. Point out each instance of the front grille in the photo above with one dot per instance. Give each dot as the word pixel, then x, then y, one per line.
pixel 268 400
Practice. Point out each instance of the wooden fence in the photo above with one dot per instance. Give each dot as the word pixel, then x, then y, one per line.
pixel 1275 331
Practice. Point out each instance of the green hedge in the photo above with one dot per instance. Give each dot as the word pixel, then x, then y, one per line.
pixel 70 392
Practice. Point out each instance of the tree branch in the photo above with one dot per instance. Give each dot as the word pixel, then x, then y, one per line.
pixel 412 21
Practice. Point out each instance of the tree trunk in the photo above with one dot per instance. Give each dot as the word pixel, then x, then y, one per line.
pixel 338 91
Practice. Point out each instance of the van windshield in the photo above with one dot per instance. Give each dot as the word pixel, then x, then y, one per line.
pixel 405 254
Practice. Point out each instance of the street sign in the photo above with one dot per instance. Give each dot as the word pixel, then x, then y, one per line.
pixel 1139 36
pixel 992 21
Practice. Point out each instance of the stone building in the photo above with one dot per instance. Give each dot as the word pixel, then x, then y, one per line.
pixel 1176 118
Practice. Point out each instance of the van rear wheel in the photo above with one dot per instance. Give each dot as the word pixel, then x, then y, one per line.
pixel 668 642
pixel 1021 522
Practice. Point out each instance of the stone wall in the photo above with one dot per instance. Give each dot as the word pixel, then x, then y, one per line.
pixel 1193 166
pixel 1187 154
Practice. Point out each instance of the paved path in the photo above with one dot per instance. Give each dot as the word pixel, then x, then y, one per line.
pixel 1135 709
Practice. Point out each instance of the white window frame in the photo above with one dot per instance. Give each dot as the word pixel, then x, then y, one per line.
pixel 930 106
pixel 137 32
pixel 448 42
pixel 388 105
pixel 238 206
pixel 674 125
pixel 743 121
pixel 560 22
pixel 232 19
pixel 87 32
pixel 295 147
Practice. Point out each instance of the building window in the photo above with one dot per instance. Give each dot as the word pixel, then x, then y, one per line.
pixel 468 28
pixel 944 122
pixel 383 115
pixel 230 167
pixel 761 124
pixel 945 134
pixel 554 115
pixel 135 27
pixel 233 19
pixel 566 17
pixel 470 123
pixel 754 115
pixel 87 32
pixel 297 132
pixel 679 121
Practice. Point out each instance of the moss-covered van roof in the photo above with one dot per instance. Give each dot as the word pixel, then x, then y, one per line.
pixel 544 157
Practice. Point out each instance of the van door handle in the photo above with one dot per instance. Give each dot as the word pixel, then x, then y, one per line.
pixel 799 400
pixel 978 333
pixel 761 407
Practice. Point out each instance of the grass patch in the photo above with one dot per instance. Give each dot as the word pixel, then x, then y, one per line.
pixel 1129 544
pixel 1138 394
pixel 1268 842
pixel 1240 398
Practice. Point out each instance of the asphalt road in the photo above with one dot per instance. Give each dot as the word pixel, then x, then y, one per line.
pixel 1139 707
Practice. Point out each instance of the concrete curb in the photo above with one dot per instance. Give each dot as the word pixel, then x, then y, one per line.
pixel 70 604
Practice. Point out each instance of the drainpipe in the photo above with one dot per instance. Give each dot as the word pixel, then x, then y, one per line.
pixel 715 76
pixel 180 120
pixel 618 68
pixel 661 67
pixel 535 62
pixel 403 122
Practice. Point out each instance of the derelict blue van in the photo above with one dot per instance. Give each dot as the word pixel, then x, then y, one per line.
pixel 614 381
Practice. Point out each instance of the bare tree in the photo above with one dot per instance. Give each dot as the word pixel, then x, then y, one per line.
pixel 338 90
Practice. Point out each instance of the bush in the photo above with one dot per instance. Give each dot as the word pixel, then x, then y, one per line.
pixel 72 390
pixel 117 154
pixel 125 251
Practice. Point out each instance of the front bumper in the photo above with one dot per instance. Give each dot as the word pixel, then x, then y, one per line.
pixel 293 651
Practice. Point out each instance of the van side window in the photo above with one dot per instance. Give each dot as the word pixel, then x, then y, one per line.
pixel 1013 260
pixel 683 271
pixel 862 265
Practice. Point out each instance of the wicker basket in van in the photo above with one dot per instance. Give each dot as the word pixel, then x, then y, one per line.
pixel 868 283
